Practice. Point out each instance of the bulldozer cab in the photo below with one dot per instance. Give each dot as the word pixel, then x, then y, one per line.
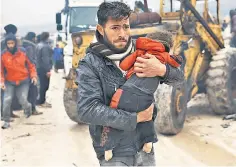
pixel 169 9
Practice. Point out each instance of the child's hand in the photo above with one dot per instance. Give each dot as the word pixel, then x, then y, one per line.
pixel 3 87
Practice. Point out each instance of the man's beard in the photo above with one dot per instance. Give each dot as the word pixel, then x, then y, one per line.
pixel 113 48
pixel 12 50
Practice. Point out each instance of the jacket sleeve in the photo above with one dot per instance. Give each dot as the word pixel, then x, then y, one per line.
pixel 2 71
pixel 91 107
pixel 31 67
pixel 174 76
pixel 47 58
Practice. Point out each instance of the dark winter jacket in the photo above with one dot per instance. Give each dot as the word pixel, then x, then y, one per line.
pixel 44 57
pixel 98 79
pixel 233 42
pixel 30 48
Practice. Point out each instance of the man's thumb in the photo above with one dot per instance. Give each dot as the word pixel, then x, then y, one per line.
pixel 150 56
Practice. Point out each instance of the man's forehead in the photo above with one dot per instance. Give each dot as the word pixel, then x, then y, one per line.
pixel 120 21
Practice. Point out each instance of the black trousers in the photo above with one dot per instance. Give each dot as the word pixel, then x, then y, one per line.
pixel 44 82
pixel 32 96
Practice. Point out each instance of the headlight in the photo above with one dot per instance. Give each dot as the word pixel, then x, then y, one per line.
pixel 78 41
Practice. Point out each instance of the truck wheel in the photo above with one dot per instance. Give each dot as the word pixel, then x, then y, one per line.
pixel 71 105
pixel 221 82
pixel 172 109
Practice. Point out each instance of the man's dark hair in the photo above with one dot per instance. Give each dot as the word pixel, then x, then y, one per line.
pixel 140 5
pixel 30 36
pixel 115 10
pixel 44 36
pixel 38 38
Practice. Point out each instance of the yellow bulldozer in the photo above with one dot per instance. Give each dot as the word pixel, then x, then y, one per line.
pixel 208 66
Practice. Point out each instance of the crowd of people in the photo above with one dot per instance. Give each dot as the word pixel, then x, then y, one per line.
pixel 26 66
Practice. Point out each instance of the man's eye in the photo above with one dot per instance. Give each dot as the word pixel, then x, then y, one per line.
pixel 126 27
pixel 115 28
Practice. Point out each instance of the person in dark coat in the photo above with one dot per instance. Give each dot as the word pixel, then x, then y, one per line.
pixel 30 46
pixel 44 66
pixel 99 77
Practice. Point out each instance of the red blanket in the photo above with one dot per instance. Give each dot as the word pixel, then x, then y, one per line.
pixel 146 45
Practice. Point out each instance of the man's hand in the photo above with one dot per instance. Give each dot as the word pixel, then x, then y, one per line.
pixel 48 74
pixel 34 80
pixel 3 87
pixel 146 115
pixel 150 67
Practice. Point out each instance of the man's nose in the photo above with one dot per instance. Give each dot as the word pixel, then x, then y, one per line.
pixel 122 33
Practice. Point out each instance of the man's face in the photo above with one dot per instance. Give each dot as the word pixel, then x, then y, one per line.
pixel 117 32
pixel 11 44
pixel 34 39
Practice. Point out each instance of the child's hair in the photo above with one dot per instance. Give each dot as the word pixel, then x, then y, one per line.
pixel 165 37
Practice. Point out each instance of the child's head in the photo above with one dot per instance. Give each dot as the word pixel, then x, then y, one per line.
pixel 165 37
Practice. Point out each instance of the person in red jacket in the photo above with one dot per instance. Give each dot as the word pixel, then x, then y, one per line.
pixel 17 71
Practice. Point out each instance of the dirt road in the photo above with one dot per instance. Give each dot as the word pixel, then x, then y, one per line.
pixel 52 139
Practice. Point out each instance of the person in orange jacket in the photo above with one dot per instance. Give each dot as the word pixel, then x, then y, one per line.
pixel 17 71
pixel 10 28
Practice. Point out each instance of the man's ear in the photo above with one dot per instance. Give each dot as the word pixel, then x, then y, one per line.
pixel 100 29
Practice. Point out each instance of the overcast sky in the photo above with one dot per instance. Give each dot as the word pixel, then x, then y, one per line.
pixel 38 12
pixel 27 12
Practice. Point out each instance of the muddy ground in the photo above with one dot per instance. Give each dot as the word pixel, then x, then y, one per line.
pixel 53 139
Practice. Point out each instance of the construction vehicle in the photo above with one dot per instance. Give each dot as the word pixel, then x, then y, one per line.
pixel 208 67
pixel 79 32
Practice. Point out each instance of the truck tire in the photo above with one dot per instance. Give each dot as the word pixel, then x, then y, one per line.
pixel 172 109
pixel 221 82
pixel 70 104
